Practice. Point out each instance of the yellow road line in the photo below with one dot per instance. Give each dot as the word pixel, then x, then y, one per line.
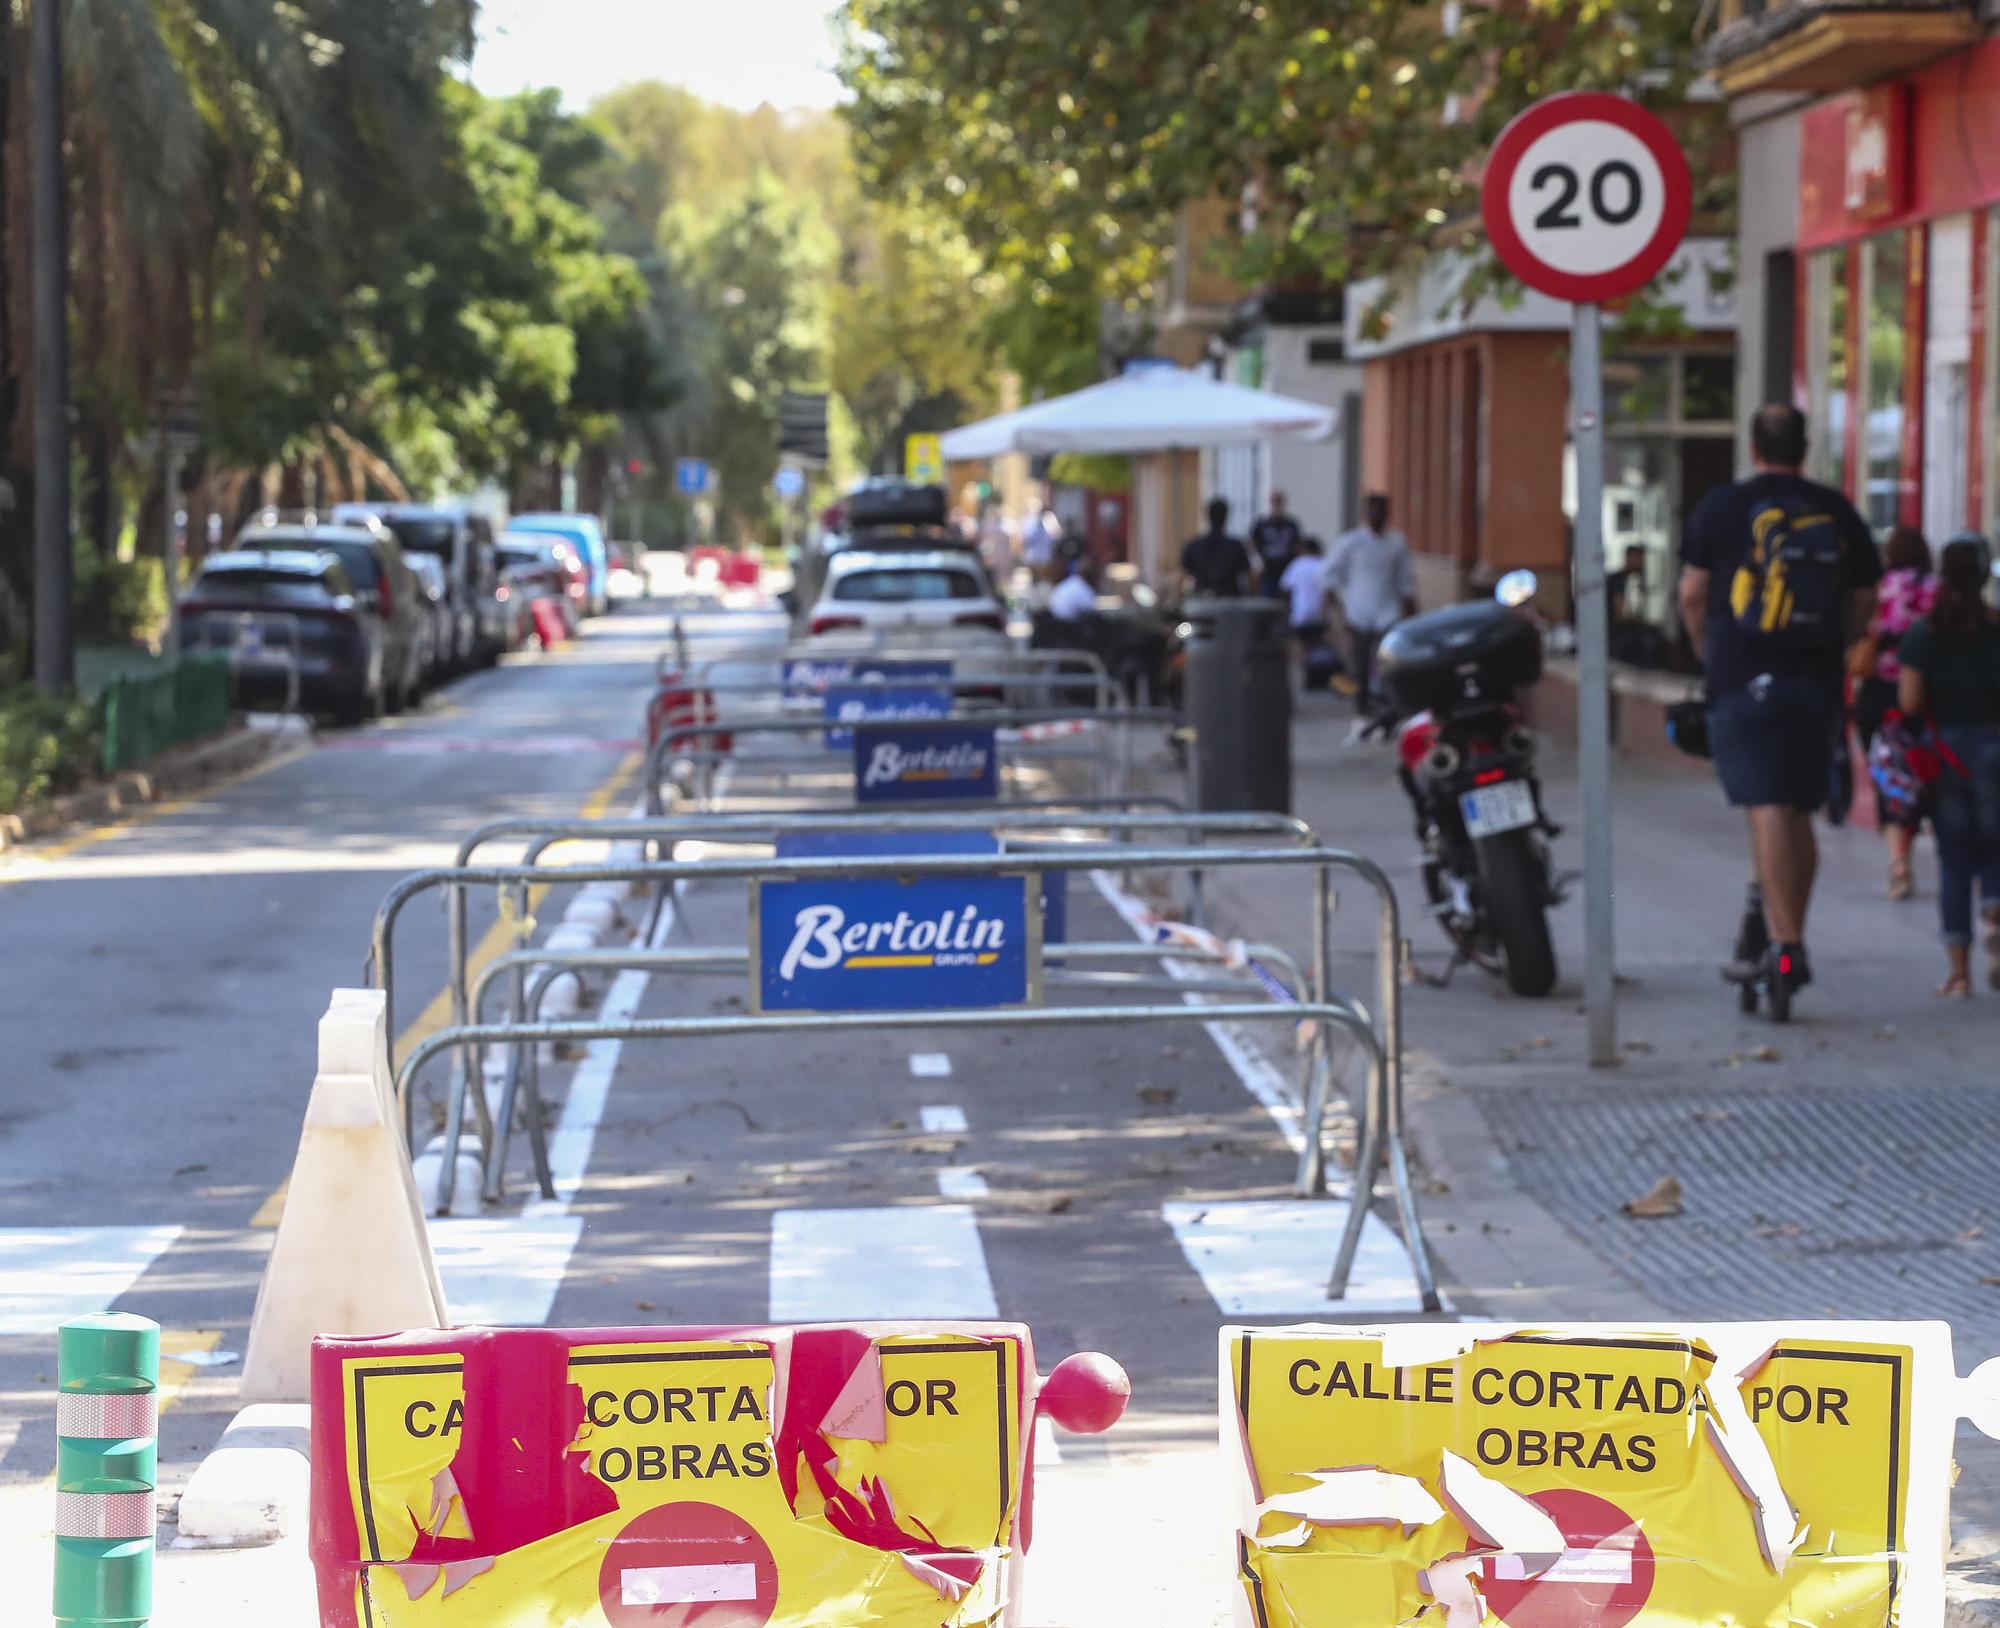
pixel 495 941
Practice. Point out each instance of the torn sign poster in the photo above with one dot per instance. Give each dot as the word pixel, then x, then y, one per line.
pixel 495 1478
pixel 1767 1475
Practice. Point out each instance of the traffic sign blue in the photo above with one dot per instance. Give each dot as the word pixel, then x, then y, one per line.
pixel 691 476
pixel 789 481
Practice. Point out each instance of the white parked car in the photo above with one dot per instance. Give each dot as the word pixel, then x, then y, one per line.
pixel 928 599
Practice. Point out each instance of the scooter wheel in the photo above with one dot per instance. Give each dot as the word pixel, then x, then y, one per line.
pixel 1779 992
pixel 1746 998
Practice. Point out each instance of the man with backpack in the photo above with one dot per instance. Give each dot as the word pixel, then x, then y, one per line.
pixel 1778 578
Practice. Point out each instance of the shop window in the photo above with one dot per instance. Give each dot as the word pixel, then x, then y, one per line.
pixel 1888 270
pixel 1708 388
pixel 1831 366
pixel 1990 295
pixel 1638 390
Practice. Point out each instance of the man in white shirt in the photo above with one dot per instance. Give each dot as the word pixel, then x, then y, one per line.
pixel 1370 571
pixel 1073 598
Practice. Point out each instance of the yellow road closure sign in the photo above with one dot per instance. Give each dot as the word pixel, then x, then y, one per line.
pixel 923 459
pixel 697 1527
pixel 1380 1486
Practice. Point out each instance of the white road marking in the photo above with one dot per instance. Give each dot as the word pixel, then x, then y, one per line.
pixel 961 1181
pixel 686 1585
pixel 922 1261
pixel 1279 1096
pixel 50 1274
pixel 503 1270
pixel 1270 1258
pixel 930 1065
pixel 944 1119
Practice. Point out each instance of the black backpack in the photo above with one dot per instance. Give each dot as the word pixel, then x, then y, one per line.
pixel 1790 587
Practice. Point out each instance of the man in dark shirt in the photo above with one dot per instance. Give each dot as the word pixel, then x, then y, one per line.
pixel 1276 540
pixel 1215 563
pixel 1778 578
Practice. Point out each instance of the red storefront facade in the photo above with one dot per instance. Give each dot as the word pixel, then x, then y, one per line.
pixel 1897 306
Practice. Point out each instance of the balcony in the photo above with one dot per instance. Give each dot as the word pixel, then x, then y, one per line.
pixel 1831 45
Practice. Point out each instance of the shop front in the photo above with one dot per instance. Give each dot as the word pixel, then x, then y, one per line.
pixel 1897 250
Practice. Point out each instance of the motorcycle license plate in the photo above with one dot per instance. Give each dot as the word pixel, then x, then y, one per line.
pixel 250 639
pixel 1490 810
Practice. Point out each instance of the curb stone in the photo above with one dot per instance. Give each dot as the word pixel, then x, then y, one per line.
pixel 253 1486
pixel 176 770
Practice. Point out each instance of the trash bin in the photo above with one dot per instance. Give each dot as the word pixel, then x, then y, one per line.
pixel 1239 704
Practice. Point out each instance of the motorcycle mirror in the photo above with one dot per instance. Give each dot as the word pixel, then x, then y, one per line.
pixel 1516 588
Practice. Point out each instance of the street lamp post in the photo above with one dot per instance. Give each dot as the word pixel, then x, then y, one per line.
pixel 55 653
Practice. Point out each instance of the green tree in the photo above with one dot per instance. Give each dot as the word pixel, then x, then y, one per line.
pixel 1070 131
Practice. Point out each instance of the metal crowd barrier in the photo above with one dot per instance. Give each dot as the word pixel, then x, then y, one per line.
pixel 873 647
pixel 522 1084
pixel 1382 1138
pixel 674 741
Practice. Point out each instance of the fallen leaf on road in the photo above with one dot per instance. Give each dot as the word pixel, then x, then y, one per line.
pixel 1714 1116
pixel 1766 1054
pixel 1157 1094
pixel 1990 1279
pixel 1540 1042
pixel 1663 1200
pixel 1060 1203
pixel 1639 1045
pixel 645 1305
pixel 1788 1229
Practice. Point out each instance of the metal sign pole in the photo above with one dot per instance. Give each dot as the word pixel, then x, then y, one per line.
pixel 1593 700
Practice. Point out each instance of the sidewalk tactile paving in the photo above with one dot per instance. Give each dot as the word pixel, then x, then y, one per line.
pixel 1798 1202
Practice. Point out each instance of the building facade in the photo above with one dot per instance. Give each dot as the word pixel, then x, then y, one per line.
pixel 1869 246
pixel 1465 421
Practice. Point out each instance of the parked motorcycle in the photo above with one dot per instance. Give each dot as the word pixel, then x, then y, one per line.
pixel 1467 761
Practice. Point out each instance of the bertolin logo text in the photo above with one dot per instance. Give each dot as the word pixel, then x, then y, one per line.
pixel 890 764
pixel 823 938
pixel 867 710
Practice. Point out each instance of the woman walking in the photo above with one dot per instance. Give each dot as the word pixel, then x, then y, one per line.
pixel 1951 674
pixel 1906 593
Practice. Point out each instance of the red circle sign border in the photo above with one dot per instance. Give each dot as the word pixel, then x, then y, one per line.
pixel 1573 107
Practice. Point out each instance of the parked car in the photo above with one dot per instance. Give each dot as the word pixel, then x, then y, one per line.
pixel 933 599
pixel 543 568
pixel 882 515
pixel 463 540
pixel 375 567
pixel 428 569
pixel 586 535
pixel 279 609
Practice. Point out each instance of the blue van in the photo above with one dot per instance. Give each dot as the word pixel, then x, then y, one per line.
pixel 587 535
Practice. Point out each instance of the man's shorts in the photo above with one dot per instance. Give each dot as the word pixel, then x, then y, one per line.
pixel 1773 743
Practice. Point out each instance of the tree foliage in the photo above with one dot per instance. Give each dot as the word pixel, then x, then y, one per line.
pixel 1071 131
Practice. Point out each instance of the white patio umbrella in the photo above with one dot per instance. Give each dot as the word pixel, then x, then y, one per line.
pixel 1157 409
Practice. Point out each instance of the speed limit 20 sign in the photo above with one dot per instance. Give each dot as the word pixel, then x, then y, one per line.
pixel 1586 197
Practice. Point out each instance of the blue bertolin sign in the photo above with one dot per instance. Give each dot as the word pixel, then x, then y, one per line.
pixel 814 675
pixel 893 765
pixel 873 944
pixel 848 704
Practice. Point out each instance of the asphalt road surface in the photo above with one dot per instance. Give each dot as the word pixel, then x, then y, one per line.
pixel 160 983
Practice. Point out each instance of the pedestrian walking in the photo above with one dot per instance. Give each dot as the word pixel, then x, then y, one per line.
pixel 1276 540
pixel 1215 563
pixel 1305 582
pixel 1950 675
pixel 1778 578
pixel 1371 574
pixel 1907 589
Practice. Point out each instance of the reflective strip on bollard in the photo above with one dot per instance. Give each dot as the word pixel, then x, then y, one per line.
pixel 107 1418
pixel 104 1514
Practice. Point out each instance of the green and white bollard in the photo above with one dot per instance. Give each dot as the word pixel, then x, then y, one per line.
pixel 107 1428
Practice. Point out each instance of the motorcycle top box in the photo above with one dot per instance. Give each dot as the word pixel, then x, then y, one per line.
pixel 1478 651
